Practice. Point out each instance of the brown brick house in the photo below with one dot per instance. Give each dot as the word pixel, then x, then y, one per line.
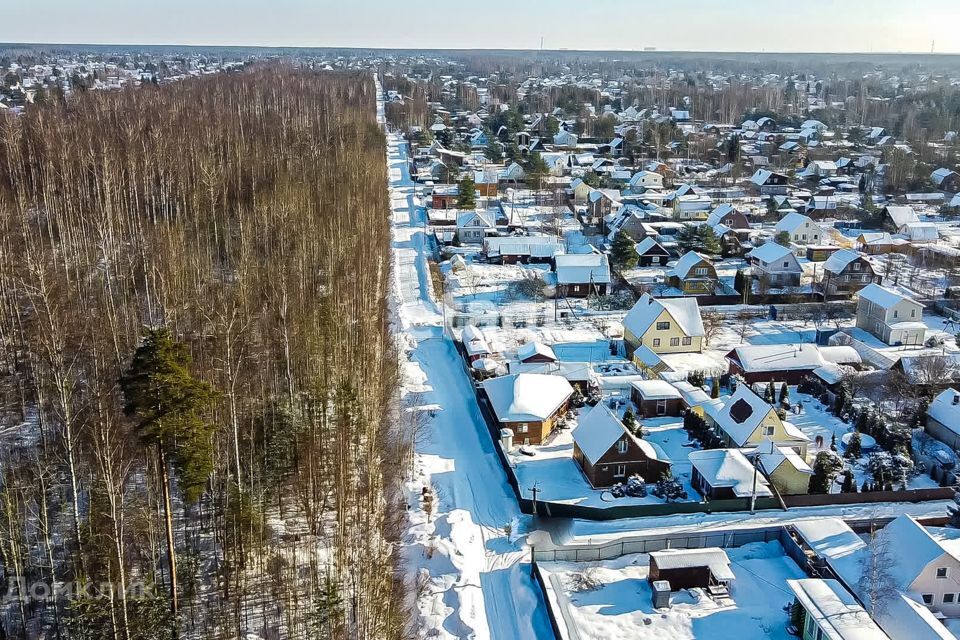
pixel 607 453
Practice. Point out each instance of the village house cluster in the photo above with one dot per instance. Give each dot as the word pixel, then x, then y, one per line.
pixel 668 309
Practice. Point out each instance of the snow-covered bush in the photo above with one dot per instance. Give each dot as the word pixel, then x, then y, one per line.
pixel 634 487
pixel 890 468
pixel 669 489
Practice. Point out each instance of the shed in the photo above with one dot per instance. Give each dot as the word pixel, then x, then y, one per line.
pixel 691 568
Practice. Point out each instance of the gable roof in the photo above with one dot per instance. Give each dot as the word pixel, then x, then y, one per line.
pixel 729 469
pixel 599 429
pixel 684 311
pixel 649 244
pixel 901 215
pixel 771 251
pixel 835 610
pixel 884 297
pixel 535 348
pixel 687 262
pixel 839 260
pixel 527 397
pixel 793 221
pixel 739 416
pixel 944 410
pixel 578 268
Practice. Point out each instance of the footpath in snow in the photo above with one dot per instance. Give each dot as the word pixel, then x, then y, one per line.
pixel 468 558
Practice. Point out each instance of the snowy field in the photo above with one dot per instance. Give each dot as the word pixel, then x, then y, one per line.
pixel 622 606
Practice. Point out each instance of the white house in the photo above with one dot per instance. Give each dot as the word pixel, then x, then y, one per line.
pixel 943 418
pixel 801 228
pixel 776 265
pixel 890 315
pixel 646 180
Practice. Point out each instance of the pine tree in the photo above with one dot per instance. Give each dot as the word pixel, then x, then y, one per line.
pixel 854 447
pixel 770 394
pixel 467 193
pixel 631 423
pixel 623 255
pixel 166 402
pixel 825 468
pixel 715 387
pixel 833 442
pixel 784 395
pixel 326 620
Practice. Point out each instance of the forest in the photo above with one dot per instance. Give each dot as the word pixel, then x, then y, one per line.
pixel 198 379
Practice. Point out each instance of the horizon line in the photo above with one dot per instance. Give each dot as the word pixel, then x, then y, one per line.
pixel 481 49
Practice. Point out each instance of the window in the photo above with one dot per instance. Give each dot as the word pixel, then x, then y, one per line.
pixel 661 407
pixel 810 625
pixel 803 236
pixel 856 266
pixel 786 263
pixel 895 313
pixel 927 598
pixel 674 342
pixel 663 326
pixel 655 261
pixel 846 278
pixel 941 572
pixel 768 430
pixel 656 342
pixel 621 471
pixel 701 271
pixel 948 598
pixel 864 278
pixel 819 633
pixel 687 342
pixel 913 313
pixel 522 427
pixel 622 445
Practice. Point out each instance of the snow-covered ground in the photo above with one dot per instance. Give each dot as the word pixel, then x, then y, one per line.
pixel 468 574
pixel 622 606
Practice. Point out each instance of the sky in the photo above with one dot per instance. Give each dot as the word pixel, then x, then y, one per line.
pixel 694 25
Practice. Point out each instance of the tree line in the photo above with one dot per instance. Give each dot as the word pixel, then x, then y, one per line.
pixel 197 382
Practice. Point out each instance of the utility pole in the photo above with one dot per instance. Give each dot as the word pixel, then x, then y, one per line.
pixel 535 490
pixel 753 494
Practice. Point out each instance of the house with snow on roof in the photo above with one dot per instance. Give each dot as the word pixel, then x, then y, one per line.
pixel 646 180
pixel 830 612
pixel 529 404
pixel 724 474
pixel 651 253
pixel 789 363
pixel 775 265
pixel 668 325
pixel 607 453
pixel 691 568
pixel 535 352
pixel 768 183
pixel 802 229
pixel 745 420
pixel 943 418
pixel 787 472
pixel 946 179
pixel 890 315
pixel 655 398
pixel 475 225
pixel 728 216
pixel 474 343
pixel 693 274
pixel 846 272
pixel 897 217
pixel 582 274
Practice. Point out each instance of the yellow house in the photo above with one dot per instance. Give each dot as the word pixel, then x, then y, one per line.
pixel 745 420
pixel 669 325
pixel 785 469
pixel 693 274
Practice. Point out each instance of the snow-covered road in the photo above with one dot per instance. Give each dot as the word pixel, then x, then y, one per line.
pixel 469 555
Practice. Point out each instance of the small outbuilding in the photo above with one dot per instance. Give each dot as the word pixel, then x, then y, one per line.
pixel 691 568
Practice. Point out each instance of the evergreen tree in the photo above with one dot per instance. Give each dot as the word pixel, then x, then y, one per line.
pixel 326 619
pixel 833 442
pixel 739 281
pixel 493 152
pixel 536 169
pixel 854 447
pixel 467 196
pixel 826 466
pixel 166 402
pixel 771 393
pixel 623 255
pixel 715 387
pixel 784 395
pixel 631 423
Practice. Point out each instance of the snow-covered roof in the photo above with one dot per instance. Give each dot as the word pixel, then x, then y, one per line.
pixel 647 356
pixel 835 610
pixel 945 409
pixel 729 468
pixel 473 341
pixel 773 456
pixel 579 268
pixel 656 390
pixel 692 395
pixel 914 549
pixel 770 252
pixel 940 175
pixel 684 311
pixel 599 429
pixel 884 297
pixel 793 221
pixel 713 557
pixel 791 357
pixel 535 348
pixel 527 397
pixel 839 260
pixel 687 262
pixel 901 215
